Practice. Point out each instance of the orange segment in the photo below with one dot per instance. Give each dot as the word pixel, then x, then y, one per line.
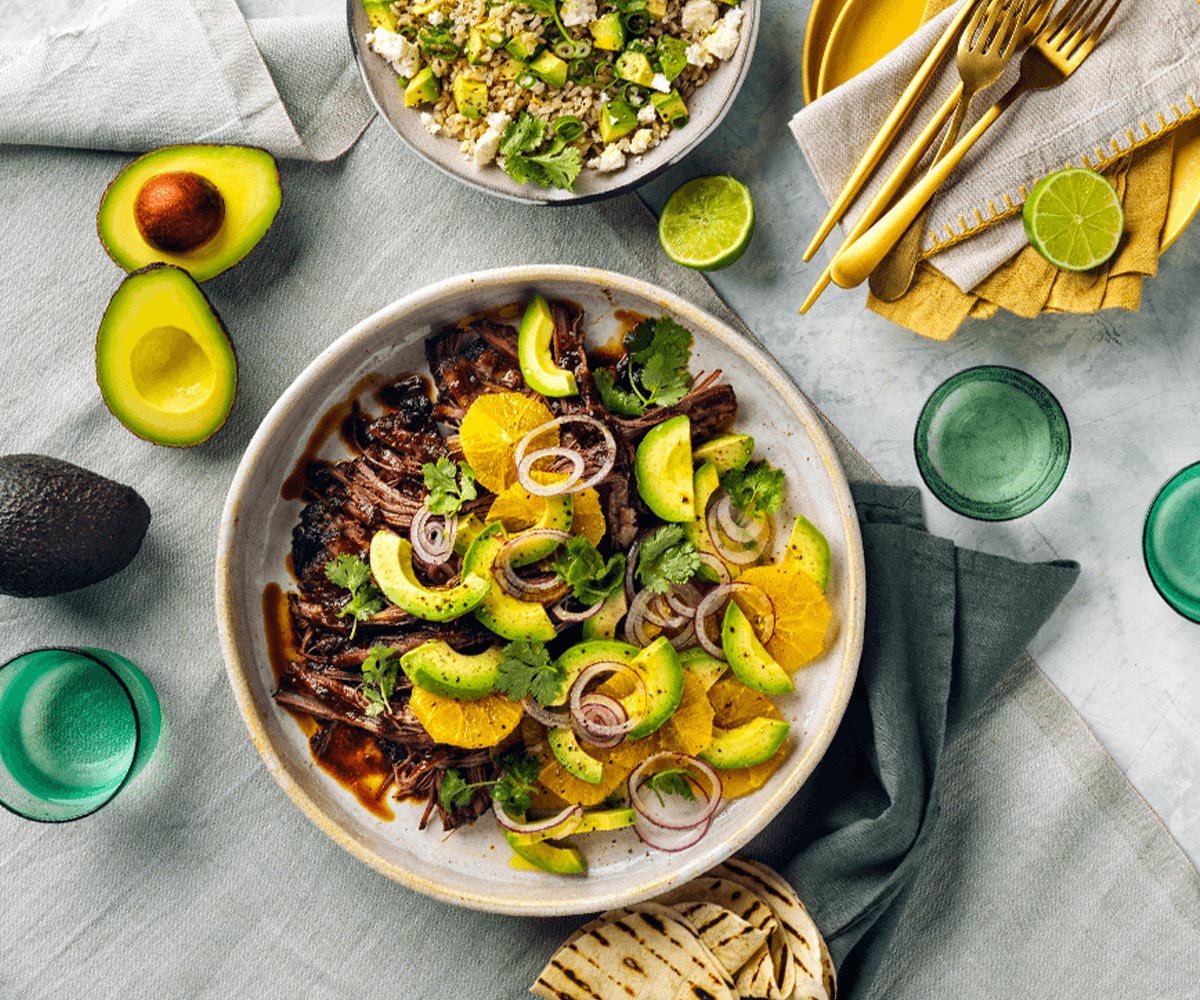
pixel 472 725
pixel 744 780
pixel 618 762
pixel 517 509
pixel 491 429
pixel 690 729
pixel 734 705
pixel 802 614
pixel 589 518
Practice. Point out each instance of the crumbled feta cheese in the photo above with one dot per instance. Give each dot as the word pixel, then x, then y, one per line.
pixel 660 83
pixel 431 126
pixel 698 15
pixel 608 161
pixel 722 41
pixel 647 114
pixel 642 140
pixel 578 12
pixel 486 147
pixel 697 55
pixel 436 17
pixel 498 121
pixel 404 56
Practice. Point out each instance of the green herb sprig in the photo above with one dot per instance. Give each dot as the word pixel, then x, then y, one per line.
pixel 379 671
pixel 355 575
pixel 558 165
pixel 450 484
pixel 659 351
pixel 527 670
pixel 667 557
pixel 756 490
pixel 672 781
pixel 585 570
pixel 514 791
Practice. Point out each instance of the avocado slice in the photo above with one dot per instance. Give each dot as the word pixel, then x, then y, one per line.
pixel 705 483
pixel 533 352
pixel 168 193
pixel 164 362
pixel 522 47
pixel 729 452
pixel 566 749
pixel 546 857
pixel 747 745
pixel 663 469
pixel 582 655
pixel 438 667
pixel 671 108
pixel 748 658
pixel 606 819
pixel 63 527
pixel 391 565
pixel 603 624
pixel 659 666
pixel 808 551
pixel 703 665
pixel 498 610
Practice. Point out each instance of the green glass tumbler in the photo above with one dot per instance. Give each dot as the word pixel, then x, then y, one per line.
pixel 992 443
pixel 1171 542
pixel 77 725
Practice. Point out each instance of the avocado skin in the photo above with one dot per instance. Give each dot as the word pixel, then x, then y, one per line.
pixel 63 527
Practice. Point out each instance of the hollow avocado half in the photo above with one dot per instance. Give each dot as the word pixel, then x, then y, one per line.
pixel 164 362
pixel 201 208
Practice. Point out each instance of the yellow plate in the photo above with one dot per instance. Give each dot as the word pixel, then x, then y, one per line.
pixel 845 37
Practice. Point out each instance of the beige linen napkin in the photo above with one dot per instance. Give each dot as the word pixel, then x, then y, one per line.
pixel 1140 82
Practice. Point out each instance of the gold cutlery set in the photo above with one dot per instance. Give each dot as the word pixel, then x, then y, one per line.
pixel 884 244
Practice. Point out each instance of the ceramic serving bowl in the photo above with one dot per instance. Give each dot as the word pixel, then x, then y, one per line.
pixel 471 867
pixel 707 107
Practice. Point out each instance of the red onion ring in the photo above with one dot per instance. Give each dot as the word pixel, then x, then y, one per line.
pixel 546 826
pixel 572 484
pixel 685 638
pixel 601 719
pixel 563 615
pixel 635 620
pixel 716 565
pixel 714 600
pixel 432 542
pixel 739 556
pixel 579 690
pixel 655 614
pixel 734 529
pixel 677 815
pixel 558 487
pixel 547 717
pixel 630 566
pixel 518 586
pixel 662 839
pixel 682 598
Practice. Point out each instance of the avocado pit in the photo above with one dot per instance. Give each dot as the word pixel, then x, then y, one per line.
pixel 178 211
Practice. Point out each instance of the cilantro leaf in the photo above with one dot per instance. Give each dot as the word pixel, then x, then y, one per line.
pixel 456 792
pixel 450 484
pixel 624 402
pixel 514 790
pixel 660 349
pixel 352 573
pixel 554 168
pixel 522 135
pixel 584 569
pixel 379 672
pixel 756 490
pixel 673 781
pixel 667 557
pixel 528 671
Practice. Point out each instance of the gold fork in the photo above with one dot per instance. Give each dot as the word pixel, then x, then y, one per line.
pixel 904 172
pixel 1058 51
pixel 984 52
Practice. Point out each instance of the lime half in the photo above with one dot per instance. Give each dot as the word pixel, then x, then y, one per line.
pixel 1074 219
pixel 706 224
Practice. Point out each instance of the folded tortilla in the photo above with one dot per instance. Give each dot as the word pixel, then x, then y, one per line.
pixel 731 939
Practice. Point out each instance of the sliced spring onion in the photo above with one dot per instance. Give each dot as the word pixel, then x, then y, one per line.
pixel 583 49
pixel 636 23
pixel 604 74
pixel 526 80
pixel 569 128
pixel 565 49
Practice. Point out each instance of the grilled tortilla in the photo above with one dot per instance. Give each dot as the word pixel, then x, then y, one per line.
pixel 731 939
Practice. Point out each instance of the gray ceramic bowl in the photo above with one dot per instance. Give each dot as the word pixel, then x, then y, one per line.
pixel 707 108
pixel 471 868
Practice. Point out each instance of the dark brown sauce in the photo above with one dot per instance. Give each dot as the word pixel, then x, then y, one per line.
pixel 628 319
pixel 280 649
pixel 336 418
pixel 353 758
pixel 613 350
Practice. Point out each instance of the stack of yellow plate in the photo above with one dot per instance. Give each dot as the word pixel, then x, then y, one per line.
pixel 846 36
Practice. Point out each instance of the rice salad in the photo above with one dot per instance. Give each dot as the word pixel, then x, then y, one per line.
pixel 544 89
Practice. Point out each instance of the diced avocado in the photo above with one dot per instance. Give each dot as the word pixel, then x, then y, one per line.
pixel 635 67
pixel 747 745
pixel 422 88
pixel 437 667
pixel 498 610
pixel 164 363
pixel 492 36
pixel 567 751
pixel 748 658
pixel 379 14
pixel 608 33
pixel 672 55
pixel 523 46
pixel 470 97
pixel 510 69
pixel 603 624
pixel 670 108
pixel 550 68
pixel 582 655
pixel 663 469
pixel 729 452
pixel 391 565
pixel 478 50
pixel 201 208
pixel 534 339
pixel 808 551
pixel 662 675
pixel 703 665
pixel 606 819
pixel 548 858
pixel 657 9
pixel 617 118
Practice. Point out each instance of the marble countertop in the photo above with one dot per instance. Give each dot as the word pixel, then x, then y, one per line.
pixel 1130 385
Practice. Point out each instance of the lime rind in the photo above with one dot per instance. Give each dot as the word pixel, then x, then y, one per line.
pixel 707 223
pixel 1074 219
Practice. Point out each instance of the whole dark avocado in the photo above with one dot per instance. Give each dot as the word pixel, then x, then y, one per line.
pixel 63 527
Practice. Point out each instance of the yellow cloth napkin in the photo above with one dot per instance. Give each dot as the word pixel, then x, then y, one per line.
pixel 1026 284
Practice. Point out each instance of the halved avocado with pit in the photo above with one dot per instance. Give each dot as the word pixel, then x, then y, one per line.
pixel 164 362
pixel 201 208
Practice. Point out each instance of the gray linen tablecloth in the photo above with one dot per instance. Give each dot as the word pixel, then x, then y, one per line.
pixel 1045 874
